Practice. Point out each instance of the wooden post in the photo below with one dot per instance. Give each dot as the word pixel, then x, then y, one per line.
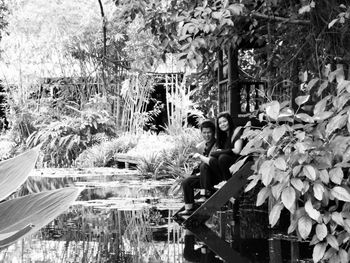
pixel 275 251
pixel 233 81
pixel 220 76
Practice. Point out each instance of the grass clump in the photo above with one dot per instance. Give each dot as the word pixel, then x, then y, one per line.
pixel 103 153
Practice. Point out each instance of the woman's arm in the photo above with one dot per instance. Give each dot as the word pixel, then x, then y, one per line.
pixel 237 148
pixel 238 145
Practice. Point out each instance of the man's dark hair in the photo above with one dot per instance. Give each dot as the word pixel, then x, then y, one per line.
pixel 208 124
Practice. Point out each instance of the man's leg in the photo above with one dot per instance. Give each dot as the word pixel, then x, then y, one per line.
pixel 188 186
pixel 208 178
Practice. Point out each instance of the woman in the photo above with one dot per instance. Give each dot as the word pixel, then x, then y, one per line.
pixel 229 144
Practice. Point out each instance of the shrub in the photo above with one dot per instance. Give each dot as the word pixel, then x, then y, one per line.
pixel 303 164
pixel 103 153
pixel 168 156
pixel 64 139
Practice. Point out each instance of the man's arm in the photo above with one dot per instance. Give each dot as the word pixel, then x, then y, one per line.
pixel 203 158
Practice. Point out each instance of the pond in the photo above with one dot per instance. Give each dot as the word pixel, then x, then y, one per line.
pixel 120 218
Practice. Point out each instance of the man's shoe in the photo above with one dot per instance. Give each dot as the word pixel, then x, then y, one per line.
pixel 202 199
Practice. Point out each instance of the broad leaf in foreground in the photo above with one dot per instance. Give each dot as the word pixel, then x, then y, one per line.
pixel 14 171
pixel 29 213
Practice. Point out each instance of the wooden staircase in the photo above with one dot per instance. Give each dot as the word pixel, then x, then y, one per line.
pixel 196 221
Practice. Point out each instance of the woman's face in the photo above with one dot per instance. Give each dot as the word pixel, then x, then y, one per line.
pixel 223 124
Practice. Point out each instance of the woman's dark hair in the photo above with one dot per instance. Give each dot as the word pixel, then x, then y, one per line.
pixel 221 136
pixel 208 124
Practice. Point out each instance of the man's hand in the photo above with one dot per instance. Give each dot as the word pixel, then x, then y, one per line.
pixel 196 156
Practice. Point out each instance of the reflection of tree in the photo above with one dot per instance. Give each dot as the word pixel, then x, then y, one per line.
pixel 89 233
pixel 92 234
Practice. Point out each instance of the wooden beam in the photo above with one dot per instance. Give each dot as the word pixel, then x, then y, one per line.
pixel 232 188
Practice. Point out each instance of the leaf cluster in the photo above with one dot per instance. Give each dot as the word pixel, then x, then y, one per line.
pixel 64 139
pixel 303 165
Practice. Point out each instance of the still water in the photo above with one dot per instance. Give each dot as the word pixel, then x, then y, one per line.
pixel 122 218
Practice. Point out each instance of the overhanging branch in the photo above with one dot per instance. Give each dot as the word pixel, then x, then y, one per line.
pixel 281 19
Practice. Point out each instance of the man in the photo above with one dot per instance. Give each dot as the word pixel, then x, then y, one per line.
pixel 207 128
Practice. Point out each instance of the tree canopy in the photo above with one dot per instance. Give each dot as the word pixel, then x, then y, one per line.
pixel 285 34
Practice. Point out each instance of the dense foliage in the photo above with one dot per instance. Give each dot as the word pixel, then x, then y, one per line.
pixel 303 166
pixel 288 37
pixel 3 17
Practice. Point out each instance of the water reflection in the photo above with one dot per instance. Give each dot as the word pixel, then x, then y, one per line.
pixel 123 219
pixel 114 220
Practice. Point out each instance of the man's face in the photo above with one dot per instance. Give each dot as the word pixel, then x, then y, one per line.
pixel 207 134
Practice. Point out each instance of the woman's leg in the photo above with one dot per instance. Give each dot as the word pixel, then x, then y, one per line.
pixel 225 161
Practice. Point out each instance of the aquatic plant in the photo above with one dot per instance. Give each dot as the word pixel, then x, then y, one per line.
pixel 302 164
pixel 24 215
pixel 151 165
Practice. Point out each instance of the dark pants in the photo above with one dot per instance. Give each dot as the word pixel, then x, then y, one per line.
pixel 208 177
pixel 221 166
pixel 188 186
pixel 205 180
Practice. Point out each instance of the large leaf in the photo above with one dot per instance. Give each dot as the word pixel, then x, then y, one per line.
pixel 318 251
pixel 318 191
pixel 324 176
pixel 304 117
pixel 35 210
pixel 288 197
pixel 336 175
pixel 309 172
pixel 267 171
pixel 321 231
pixel 312 212
pixel 15 236
pixel 338 218
pixel 237 165
pixel 275 214
pixel 320 106
pixel 273 109
pixel 14 171
pixel 297 183
pixel 280 163
pixel 337 122
pixel 304 226
pixel 263 195
pixel 341 193
pixel 301 99
pixel 332 241
pixel 278 132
